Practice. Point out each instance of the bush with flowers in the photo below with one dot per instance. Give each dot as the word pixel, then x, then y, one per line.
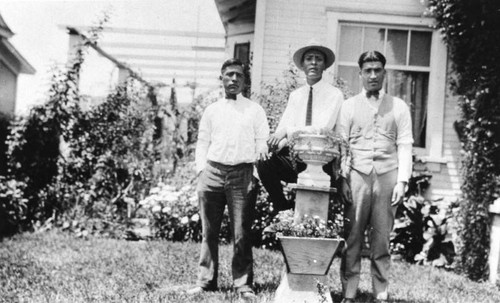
pixel 174 212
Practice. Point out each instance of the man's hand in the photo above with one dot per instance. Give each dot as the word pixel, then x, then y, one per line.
pixel 274 141
pixel 345 189
pixel 398 193
pixel 263 155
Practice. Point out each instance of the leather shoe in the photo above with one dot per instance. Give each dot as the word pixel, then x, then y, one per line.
pixel 248 295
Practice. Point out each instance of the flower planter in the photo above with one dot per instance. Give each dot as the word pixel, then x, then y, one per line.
pixel 312 256
pixel 317 149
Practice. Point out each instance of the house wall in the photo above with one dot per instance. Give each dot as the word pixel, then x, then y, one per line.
pixel 8 85
pixel 239 33
pixel 282 26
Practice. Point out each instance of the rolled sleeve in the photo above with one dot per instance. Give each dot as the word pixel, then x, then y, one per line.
pixel 203 142
pixel 404 142
pixel 261 131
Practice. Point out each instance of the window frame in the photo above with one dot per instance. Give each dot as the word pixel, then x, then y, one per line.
pixel 437 69
pixel 243 44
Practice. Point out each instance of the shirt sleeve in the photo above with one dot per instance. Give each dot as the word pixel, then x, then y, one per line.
pixel 344 129
pixel 286 121
pixel 404 142
pixel 335 111
pixel 203 142
pixel 261 127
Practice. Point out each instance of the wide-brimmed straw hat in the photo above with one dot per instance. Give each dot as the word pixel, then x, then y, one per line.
pixel 314 44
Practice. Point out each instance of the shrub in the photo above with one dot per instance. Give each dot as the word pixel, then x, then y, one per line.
pixel 85 169
pixel 4 131
pixel 12 206
pixel 424 230
pixel 109 164
pixel 468 28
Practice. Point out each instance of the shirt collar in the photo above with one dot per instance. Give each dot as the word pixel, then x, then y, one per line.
pixel 380 94
pixel 317 85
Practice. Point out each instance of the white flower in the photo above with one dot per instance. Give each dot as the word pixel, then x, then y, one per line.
pixel 170 196
pixel 156 208
pixel 186 188
pixel 184 220
pixel 194 200
pixel 195 218
pixel 166 210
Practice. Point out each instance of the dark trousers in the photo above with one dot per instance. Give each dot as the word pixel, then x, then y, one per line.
pixel 280 168
pixel 232 185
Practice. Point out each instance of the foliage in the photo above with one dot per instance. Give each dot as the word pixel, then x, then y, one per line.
pixel 424 231
pixel 307 226
pixel 4 131
pixel 84 170
pixel 175 213
pixel 469 28
pixel 439 232
pixel 111 157
pixel 12 206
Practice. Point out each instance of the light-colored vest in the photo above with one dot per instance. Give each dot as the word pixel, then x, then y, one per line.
pixel 373 136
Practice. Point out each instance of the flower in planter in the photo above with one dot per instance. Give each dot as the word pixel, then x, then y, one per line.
pixel 311 227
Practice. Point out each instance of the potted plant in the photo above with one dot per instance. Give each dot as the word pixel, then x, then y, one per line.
pixel 309 244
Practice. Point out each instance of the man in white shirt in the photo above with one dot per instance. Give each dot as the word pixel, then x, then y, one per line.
pixel 377 128
pixel 231 137
pixel 310 108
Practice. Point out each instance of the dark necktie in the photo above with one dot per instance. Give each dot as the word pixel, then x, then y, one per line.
pixel 230 97
pixel 309 108
pixel 372 93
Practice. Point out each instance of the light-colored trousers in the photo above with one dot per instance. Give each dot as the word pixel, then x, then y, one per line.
pixel 371 206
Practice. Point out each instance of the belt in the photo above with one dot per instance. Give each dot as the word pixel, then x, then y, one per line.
pixel 227 167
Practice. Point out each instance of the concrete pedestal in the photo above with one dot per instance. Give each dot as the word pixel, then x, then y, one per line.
pixel 311 201
pixel 494 258
pixel 300 288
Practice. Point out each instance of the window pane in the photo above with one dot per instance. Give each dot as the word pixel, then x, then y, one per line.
pixel 420 48
pixel 242 52
pixel 396 46
pixel 350 75
pixel 412 88
pixel 350 43
pixel 374 39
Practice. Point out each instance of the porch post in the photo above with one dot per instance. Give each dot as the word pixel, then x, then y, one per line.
pixel 494 257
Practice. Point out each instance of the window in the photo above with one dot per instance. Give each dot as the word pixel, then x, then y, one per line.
pixel 408 54
pixel 242 52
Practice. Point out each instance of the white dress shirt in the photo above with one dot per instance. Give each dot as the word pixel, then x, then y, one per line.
pixel 327 101
pixel 402 117
pixel 231 132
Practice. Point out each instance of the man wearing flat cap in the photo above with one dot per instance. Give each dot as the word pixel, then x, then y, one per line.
pixel 310 108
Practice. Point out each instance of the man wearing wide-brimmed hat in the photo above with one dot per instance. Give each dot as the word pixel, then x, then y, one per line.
pixel 313 106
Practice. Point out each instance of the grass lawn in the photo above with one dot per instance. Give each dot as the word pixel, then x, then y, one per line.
pixel 55 267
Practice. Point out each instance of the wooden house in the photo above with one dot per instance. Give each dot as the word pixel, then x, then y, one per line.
pixel 12 63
